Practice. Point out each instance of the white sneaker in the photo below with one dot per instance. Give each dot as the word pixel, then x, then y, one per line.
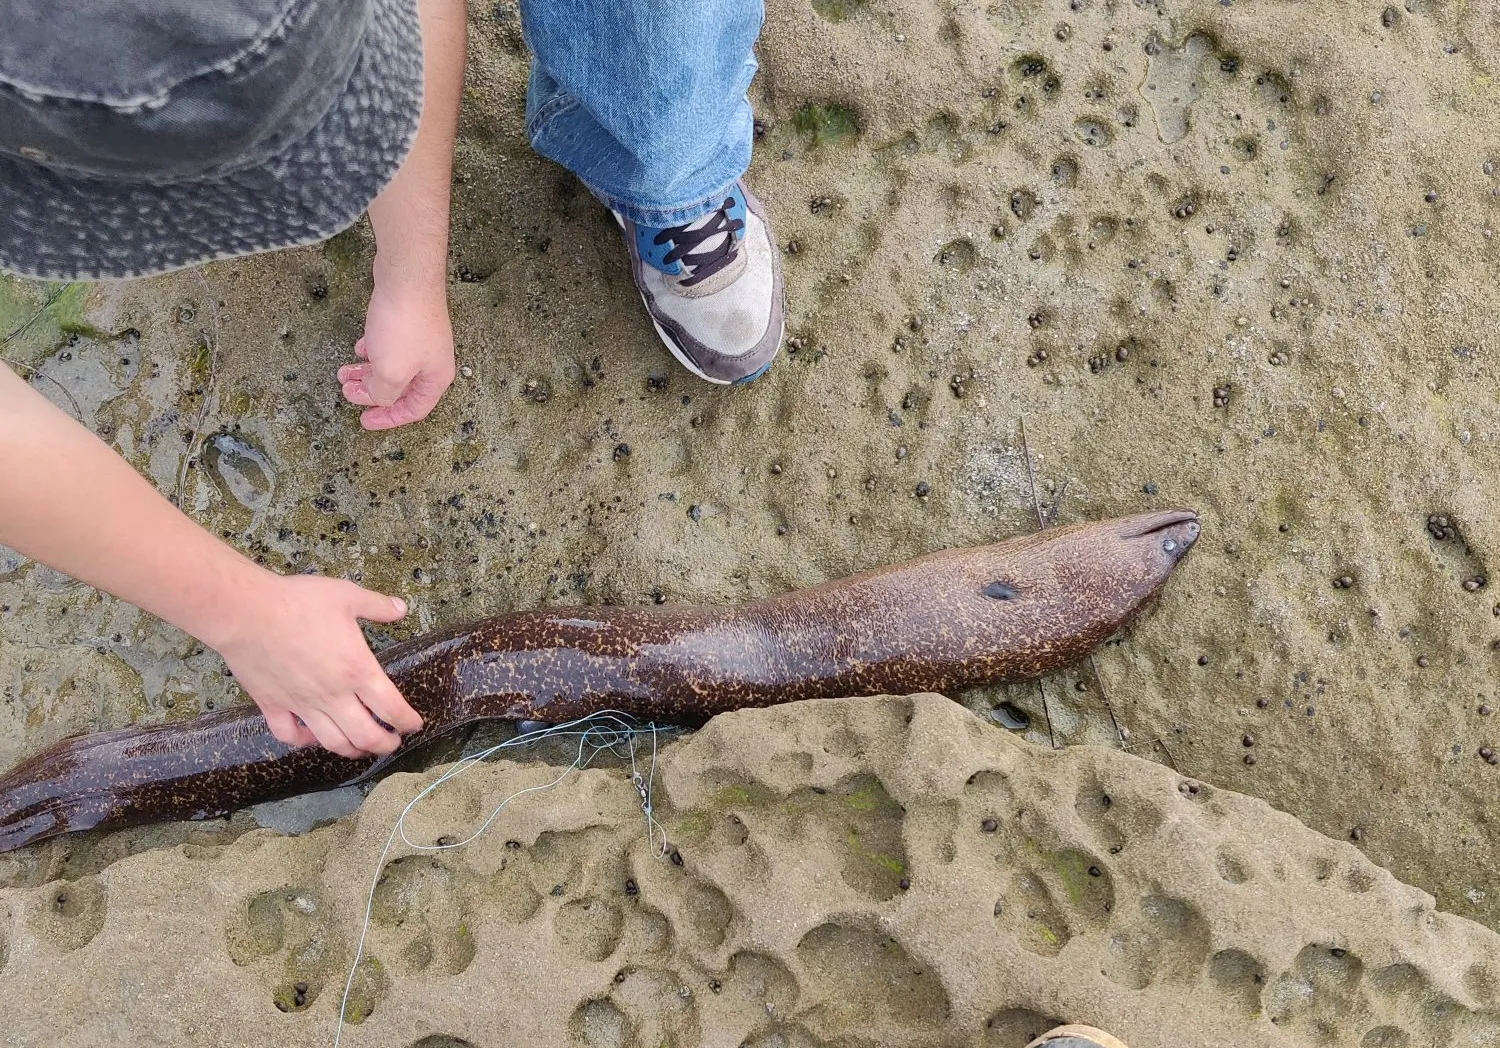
pixel 713 288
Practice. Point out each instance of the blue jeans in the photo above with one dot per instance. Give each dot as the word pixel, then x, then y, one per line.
pixel 644 100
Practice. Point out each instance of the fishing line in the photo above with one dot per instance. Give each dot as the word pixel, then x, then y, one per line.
pixel 645 785
pixel 605 731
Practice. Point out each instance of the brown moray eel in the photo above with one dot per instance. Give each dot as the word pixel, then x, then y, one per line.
pixel 956 619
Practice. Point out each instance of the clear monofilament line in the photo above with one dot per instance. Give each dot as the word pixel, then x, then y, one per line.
pixel 606 730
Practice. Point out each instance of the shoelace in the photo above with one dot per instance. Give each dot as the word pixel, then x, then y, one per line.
pixel 704 264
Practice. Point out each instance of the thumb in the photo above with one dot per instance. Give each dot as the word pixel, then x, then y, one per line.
pixel 376 607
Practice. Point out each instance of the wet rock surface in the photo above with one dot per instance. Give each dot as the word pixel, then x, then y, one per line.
pixel 1260 288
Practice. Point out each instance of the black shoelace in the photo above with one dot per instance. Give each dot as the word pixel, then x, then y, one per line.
pixel 705 264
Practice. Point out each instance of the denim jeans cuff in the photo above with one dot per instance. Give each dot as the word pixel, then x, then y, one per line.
pixel 653 215
pixel 663 217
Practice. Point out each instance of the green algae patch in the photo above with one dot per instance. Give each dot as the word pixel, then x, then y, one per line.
pixel 691 828
pixel 1080 876
pixel 345 249
pixel 837 10
pixel 201 366
pixel 370 984
pixel 869 798
pixel 1072 869
pixel 738 796
pixel 826 123
pixel 36 317
pixel 890 864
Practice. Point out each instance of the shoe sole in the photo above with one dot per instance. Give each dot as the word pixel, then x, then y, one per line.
pixel 1091 1034
pixel 682 358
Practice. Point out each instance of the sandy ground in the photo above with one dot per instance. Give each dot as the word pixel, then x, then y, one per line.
pixel 1235 256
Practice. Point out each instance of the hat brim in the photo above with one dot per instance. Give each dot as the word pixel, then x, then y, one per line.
pixel 54 226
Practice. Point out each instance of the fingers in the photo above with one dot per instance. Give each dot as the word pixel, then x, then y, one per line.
pixel 356 393
pixel 362 730
pixel 367 387
pixel 376 382
pixel 372 391
pixel 382 699
pixel 403 383
pixel 285 726
pixel 352 377
pixel 330 736
pixel 400 413
pixel 350 729
pixel 375 607
pixel 416 404
pixel 384 389
pixel 376 690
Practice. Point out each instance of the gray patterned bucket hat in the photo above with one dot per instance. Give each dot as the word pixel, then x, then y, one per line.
pixel 143 136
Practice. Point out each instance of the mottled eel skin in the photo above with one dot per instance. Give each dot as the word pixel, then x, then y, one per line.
pixel 1009 611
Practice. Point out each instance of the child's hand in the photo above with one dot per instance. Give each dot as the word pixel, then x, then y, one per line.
pixel 408 357
pixel 296 649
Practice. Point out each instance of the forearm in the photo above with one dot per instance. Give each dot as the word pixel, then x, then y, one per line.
pixel 411 217
pixel 69 501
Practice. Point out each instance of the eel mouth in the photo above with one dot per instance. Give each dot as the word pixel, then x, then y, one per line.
pixel 1154 523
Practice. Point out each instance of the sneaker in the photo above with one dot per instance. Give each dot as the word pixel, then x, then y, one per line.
pixel 713 288
pixel 1076 1037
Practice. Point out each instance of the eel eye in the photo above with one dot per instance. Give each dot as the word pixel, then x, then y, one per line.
pixel 998 590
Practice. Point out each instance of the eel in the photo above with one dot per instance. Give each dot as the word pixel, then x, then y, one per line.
pixel 953 619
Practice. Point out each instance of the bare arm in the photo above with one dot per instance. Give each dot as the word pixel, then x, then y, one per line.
pixel 293 643
pixel 54 477
pixel 408 343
